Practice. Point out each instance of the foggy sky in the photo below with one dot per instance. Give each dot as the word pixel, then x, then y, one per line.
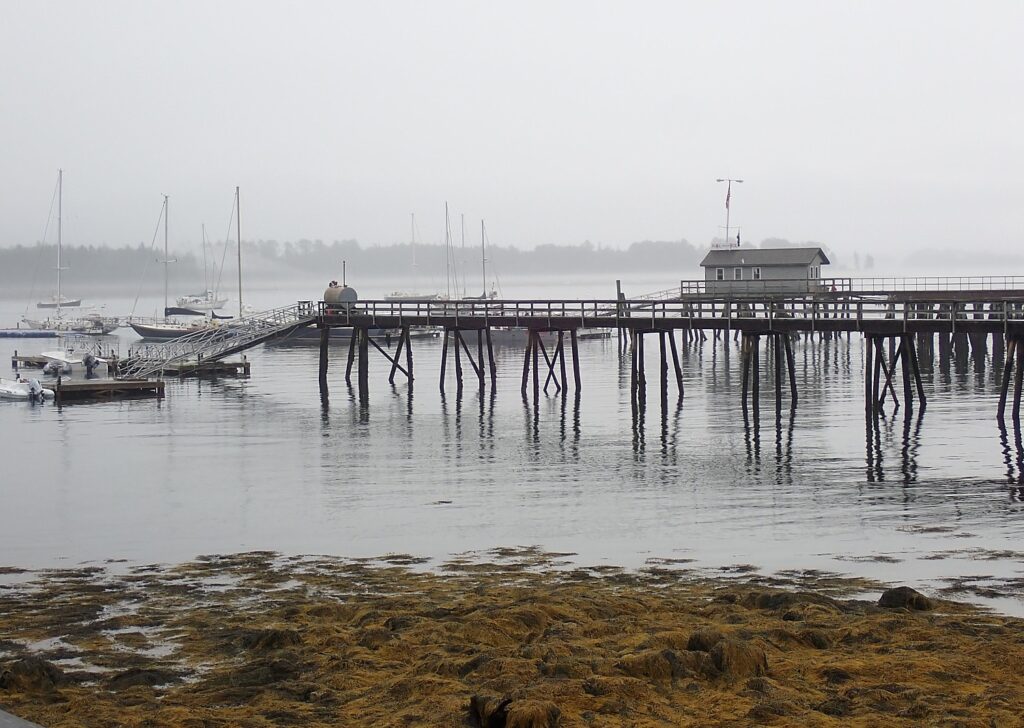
pixel 875 126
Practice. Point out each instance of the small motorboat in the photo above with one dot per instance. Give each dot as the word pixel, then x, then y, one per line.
pixel 24 389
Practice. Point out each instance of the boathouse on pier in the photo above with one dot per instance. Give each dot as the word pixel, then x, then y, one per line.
pixel 763 270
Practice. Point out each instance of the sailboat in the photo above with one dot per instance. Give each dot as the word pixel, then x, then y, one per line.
pixel 57 300
pixel 170 328
pixel 90 323
pixel 208 300
pixel 167 328
pixel 406 295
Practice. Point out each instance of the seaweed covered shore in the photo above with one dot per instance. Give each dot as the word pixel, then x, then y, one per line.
pixel 519 638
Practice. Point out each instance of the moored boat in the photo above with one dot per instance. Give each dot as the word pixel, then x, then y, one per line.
pixel 24 389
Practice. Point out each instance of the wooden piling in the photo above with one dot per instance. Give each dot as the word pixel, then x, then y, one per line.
pixel 745 368
pixel 561 360
pixel 632 368
pixel 351 355
pixel 364 359
pixel 791 365
pixel 663 349
pixel 641 374
pixel 490 356
pixel 536 365
pixel 869 371
pixel 459 343
pixel 1018 382
pixel 908 385
pixel 575 360
pixel 756 373
pixel 1011 352
pixel 325 338
pixel 675 361
pixel 444 357
pixel 480 357
pixel 398 355
pixel 408 353
pixel 526 360
pixel 915 367
pixel 777 345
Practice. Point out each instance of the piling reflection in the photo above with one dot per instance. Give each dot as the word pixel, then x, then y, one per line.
pixel 881 432
pixel 752 437
pixel 784 447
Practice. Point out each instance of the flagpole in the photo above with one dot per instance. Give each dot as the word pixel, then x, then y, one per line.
pixel 728 196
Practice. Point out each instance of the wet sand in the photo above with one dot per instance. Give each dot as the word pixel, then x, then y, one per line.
pixel 509 638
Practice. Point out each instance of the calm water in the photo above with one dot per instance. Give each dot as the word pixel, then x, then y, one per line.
pixel 263 463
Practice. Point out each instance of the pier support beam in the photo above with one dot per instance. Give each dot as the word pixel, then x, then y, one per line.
pixel 555 366
pixel 638 375
pixel 325 338
pixel 903 352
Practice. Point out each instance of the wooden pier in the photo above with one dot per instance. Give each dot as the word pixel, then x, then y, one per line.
pixel 898 320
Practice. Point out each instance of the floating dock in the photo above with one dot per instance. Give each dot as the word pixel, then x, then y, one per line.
pixel 208 369
pixel 88 389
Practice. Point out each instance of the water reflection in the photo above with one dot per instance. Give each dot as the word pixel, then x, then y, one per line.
pixel 881 434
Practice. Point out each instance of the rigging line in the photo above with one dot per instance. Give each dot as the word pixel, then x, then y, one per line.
pixel 494 268
pixel 152 245
pixel 46 231
pixel 224 254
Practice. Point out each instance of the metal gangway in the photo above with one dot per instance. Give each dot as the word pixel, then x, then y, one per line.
pixel 216 342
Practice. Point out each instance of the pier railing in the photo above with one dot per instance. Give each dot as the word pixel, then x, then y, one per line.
pixel 833 311
pixel 700 287
pixel 217 341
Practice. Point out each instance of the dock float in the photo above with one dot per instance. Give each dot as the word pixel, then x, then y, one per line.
pixel 86 389
pixel 208 369
pixel 28 361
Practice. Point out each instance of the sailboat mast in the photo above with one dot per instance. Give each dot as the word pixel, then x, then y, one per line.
pixel 238 229
pixel 483 259
pixel 412 237
pixel 447 252
pixel 60 232
pixel 167 258
pixel 206 268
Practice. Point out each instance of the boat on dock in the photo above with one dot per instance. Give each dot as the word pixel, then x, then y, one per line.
pixel 206 301
pixel 59 302
pixel 92 323
pixel 168 328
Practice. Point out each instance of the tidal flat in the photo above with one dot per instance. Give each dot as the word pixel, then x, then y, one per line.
pixel 509 637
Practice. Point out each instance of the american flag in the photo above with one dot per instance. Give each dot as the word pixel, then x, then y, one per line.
pixel 728 194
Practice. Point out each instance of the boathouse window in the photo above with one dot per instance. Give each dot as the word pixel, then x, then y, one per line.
pixel 737 274
pixel 719 274
pixel 757 274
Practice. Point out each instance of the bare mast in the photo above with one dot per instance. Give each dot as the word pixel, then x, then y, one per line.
pixel 167 258
pixel 238 229
pixel 60 217
pixel 483 258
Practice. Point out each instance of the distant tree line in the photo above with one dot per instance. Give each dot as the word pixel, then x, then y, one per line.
pixel 21 266
pixel 35 266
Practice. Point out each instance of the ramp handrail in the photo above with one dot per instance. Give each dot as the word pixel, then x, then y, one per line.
pixel 217 341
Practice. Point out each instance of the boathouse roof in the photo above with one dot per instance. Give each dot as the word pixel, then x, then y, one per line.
pixel 764 256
